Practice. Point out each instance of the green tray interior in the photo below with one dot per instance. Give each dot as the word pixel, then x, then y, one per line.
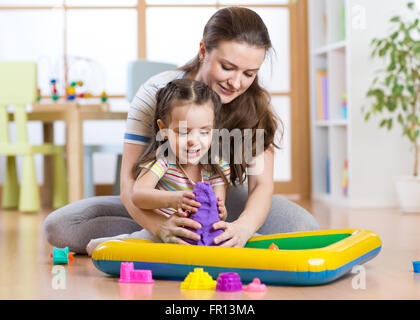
pixel 299 243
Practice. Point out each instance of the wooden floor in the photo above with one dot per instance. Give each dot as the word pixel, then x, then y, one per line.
pixel 27 272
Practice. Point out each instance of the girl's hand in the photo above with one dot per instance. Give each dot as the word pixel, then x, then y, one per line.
pixel 222 209
pixel 173 230
pixel 234 235
pixel 185 201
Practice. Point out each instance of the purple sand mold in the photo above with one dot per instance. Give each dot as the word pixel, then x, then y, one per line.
pixel 207 215
pixel 228 281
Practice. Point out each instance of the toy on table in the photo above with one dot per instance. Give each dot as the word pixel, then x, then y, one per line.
pixel 38 94
pixel 416 266
pixel 79 84
pixel 255 286
pixel 228 282
pixel 198 280
pixel 71 90
pixel 61 255
pixel 54 94
pixel 207 214
pixel 129 275
pixel 104 96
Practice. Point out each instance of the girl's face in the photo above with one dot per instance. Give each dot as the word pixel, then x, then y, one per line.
pixel 230 68
pixel 190 131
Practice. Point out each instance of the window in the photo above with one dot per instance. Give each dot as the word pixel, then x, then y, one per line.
pixel 99 37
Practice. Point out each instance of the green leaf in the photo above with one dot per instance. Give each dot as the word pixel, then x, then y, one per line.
pixel 410 89
pixel 411 134
pixel 391 105
pixel 384 49
pixel 394 35
pixel 410 117
pixel 395 90
pixel 410 5
pixel 400 118
pixel 379 94
pixel 383 122
pixel 378 107
pixel 367 116
pixel 389 124
pixel 389 79
pixel 395 19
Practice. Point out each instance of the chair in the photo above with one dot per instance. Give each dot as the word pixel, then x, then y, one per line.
pixel 89 150
pixel 138 72
pixel 18 87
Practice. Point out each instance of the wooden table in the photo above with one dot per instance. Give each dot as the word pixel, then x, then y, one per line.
pixel 73 114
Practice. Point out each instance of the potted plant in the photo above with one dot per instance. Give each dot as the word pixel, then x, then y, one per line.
pixel 395 92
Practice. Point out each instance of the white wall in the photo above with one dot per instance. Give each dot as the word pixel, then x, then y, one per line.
pixel 376 155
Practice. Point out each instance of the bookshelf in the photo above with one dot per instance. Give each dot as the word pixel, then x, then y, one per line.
pixel 329 100
pixel 340 33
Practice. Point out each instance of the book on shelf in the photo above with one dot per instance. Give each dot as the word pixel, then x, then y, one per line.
pixel 343 22
pixel 322 94
pixel 324 81
pixel 344 106
pixel 345 179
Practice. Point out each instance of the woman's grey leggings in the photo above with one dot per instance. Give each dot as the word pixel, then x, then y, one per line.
pixel 76 224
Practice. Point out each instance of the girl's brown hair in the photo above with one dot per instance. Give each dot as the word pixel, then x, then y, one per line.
pixel 252 109
pixel 178 93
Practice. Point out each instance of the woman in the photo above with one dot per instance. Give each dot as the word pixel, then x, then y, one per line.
pixel 234 45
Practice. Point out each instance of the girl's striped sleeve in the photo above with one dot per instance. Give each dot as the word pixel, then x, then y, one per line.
pixel 158 167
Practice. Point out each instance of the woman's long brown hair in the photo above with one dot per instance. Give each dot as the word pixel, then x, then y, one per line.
pixel 252 109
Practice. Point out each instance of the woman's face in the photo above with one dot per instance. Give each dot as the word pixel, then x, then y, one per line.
pixel 230 68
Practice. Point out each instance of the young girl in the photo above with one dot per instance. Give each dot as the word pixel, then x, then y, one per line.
pixel 178 157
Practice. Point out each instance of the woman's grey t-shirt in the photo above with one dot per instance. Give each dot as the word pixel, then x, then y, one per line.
pixel 139 125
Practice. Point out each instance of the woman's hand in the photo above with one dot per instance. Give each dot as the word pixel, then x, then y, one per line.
pixel 184 201
pixel 222 209
pixel 234 235
pixel 174 229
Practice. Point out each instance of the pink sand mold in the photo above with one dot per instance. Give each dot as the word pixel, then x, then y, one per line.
pixel 255 286
pixel 129 275
pixel 228 282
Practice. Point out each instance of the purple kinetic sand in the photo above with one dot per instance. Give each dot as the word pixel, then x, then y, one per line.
pixel 207 215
